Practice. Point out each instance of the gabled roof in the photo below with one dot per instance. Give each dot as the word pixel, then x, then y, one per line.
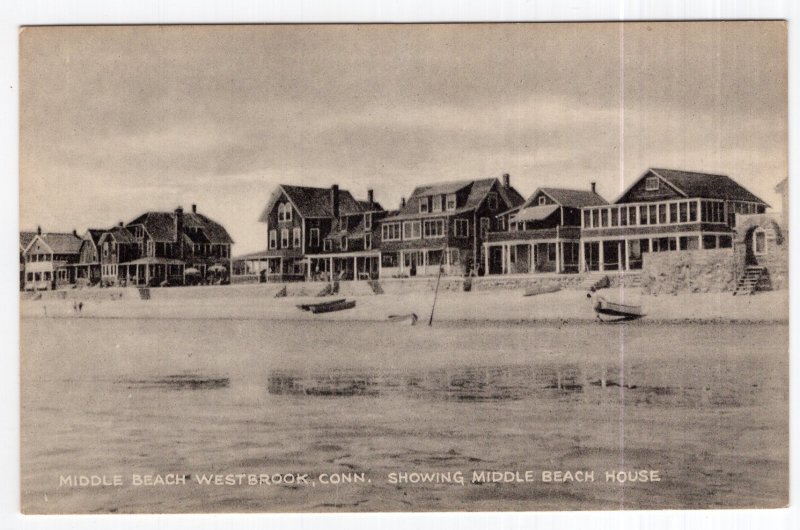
pixel 25 239
pixel 120 235
pixel 59 242
pixel 478 190
pixel 161 226
pixel 570 198
pixel 95 234
pixel 313 202
pixel 365 206
pixel 693 185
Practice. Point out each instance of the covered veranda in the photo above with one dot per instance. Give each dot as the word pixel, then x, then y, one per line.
pixel 152 271
pixel 364 265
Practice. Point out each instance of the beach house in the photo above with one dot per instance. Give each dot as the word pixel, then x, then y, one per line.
pixel 318 232
pixel 663 210
pixel 24 239
pixel 172 248
pixel 444 224
pixel 46 258
pixel 87 270
pixel 541 235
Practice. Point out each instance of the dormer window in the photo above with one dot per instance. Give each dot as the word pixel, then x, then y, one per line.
pixel 423 205
pixel 542 200
pixel 451 202
pixel 651 184
pixel 437 203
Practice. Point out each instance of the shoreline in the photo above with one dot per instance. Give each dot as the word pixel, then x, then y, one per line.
pixel 501 307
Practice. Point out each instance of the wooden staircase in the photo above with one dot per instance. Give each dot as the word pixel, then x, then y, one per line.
pixel 751 280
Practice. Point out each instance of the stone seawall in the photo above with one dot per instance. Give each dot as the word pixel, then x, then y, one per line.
pixel 689 271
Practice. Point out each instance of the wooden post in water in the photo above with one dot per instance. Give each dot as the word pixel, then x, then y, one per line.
pixel 436 291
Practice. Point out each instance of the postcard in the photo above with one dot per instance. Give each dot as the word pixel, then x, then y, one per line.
pixel 404 267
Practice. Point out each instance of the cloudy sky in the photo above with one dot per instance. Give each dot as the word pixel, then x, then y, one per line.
pixel 119 120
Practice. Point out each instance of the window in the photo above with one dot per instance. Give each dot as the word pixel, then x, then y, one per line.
pixel 461 227
pixel 287 212
pixel 643 214
pixel 653 214
pixel 437 203
pixel 759 242
pixel 368 221
pixel 297 237
pixel 662 214
pixel 673 212
pixel 327 245
pixel 484 227
pixel 280 212
pixel 423 205
pixel 623 216
pixel 595 218
pixel 651 184
pixel 390 232
pixel 314 233
pixel 604 217
pixel 542 200
pixel 367 241
pixel 587 219
pixel 725 242
pixel 343 243
pixel 433 228
pixel 614 217
pixel 632 215
pixel 683 212
pixel 411 230
pixel 150 248
pixel 284 238
pixel 105 249
pixel 692 212
pixel 491 201
pixel 709 241
pixel 451 202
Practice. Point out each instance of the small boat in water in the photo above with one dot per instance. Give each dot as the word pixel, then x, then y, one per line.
pixel 307 307
pixel 613 309
pixel 332 306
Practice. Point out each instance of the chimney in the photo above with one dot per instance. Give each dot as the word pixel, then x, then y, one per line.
pixel 39 230
pixel 594 187
pixel 402 202
pixel 74 232
pixel 121 224
pixel 179 230
pixel 370 198
pixel 194 208
pixel 335 200
pixel 506 180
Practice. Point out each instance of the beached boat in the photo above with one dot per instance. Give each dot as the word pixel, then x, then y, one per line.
pixel 307 307
pixel 411 317
pixel 332 306
pixel 541 289
pixel 620 311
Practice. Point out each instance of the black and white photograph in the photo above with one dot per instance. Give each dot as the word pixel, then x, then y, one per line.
pixel 429 267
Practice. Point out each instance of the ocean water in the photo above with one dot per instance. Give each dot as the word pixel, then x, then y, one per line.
pixel 357 416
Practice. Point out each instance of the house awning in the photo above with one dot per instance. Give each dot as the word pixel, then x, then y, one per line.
pixel 154 261
pixel 536 213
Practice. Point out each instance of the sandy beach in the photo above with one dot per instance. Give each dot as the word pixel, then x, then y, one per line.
pixel 258 302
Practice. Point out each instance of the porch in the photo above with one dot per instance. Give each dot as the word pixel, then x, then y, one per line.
pixel 152 271
pixel 343 267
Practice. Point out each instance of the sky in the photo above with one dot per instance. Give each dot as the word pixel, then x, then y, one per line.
pixel 115 121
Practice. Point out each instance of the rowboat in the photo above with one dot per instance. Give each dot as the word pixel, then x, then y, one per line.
pixel 542 289
pixel 411 317
pixel 332 306
pixel 613 309
pixel 307 307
